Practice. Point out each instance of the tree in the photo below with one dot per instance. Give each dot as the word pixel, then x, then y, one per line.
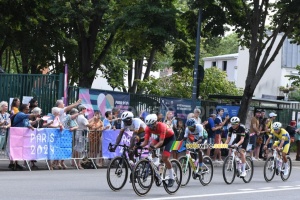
pixel 180 84
pixel 249 19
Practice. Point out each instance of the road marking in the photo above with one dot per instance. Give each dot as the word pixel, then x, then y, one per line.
pixel 246 189
pixel 227 193
pixel 285 186
pixel 266 188
pixel 296 167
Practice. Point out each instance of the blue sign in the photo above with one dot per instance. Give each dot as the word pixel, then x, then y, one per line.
pixel 232 111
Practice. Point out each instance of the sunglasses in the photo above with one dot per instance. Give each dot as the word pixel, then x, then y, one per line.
pixel 151 126
pixel 191 127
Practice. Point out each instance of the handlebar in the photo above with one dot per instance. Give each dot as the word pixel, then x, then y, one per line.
pixel 111 147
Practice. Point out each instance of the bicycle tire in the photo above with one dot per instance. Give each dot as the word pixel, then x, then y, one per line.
pixel 178 177
pixel 208 171
pixel 269 167
pixel 285 178
pixel 186 170
pixel 229 166
pixel 249 168
pixel 117 172
pixel 142 172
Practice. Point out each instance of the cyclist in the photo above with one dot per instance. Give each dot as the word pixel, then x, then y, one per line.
pixel 165 139
pixel 283 141
pixel 194 133
pixel 242 138
pixel 131 124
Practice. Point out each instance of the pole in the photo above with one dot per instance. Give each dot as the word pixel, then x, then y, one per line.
pixel 196 64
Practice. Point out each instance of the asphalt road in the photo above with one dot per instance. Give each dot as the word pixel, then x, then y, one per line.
pixel 91 184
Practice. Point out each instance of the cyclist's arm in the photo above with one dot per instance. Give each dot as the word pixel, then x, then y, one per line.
pixel 118 140
pixel 241 140
pixel 281 143
pixel 160 143
pixel 228 139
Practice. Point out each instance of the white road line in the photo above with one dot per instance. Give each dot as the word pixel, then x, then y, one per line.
pixel 227 193
pixel 296 167
pixel 246 189
pixel 285 186
pixel 267 188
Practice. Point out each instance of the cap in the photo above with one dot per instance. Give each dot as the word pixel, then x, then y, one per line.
pixel 272 114
pixel 81 107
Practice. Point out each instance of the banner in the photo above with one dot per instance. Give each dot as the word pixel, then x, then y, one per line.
pixel 232 111
pixel 110 136
pixel 40 144
pixel 180 107
pixel 99 100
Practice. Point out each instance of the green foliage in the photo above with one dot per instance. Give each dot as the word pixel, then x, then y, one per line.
pixel 295 78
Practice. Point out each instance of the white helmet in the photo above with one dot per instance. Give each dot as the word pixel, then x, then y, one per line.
pixel 127 114
pixel 235 120
pixel 277 125
pixel 151 119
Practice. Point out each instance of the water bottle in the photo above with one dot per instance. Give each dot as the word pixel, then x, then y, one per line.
pixel 131 163
pixel 238 160
pixel 161 168
pixel 196 162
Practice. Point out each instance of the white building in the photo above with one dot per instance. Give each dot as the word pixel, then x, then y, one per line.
pixel 236 67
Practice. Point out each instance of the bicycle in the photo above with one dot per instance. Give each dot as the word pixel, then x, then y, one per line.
pixel 146 171
pixel 188 164
pixel 274 164
pixel 118 168
pixel 230 165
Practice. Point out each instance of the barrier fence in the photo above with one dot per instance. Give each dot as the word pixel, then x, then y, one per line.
pixel 50 144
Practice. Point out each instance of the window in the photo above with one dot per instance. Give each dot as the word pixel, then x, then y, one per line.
pixel 214 64
pixel 224 66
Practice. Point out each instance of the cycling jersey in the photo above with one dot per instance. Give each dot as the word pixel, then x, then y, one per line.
pixel 161 130
pixel 240 131
pixel 136 125
pixel 196 134
pixel 282 135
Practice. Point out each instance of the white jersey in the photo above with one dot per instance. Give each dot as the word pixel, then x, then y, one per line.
pixel 137 124
pixel 197 133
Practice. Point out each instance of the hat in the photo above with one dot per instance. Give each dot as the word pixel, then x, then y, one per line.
pixel 272 114
pixel 81 107
pixel 258 110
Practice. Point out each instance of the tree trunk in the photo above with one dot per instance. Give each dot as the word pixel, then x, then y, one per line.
pixel 246 101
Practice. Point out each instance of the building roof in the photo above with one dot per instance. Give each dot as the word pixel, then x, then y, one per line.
pixel 222 57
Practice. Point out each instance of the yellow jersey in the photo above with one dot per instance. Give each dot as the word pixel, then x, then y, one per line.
pixel 282 135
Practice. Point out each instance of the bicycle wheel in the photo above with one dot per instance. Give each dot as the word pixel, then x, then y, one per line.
pixel 207 171
pixel 177 171
pixel 117 173
pixel 229 168
pixel 283 177
pixel 142 177
pixel 186 170
pixel 249 170
pixel 269 169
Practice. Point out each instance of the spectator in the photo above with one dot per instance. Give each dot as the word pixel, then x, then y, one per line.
pixel 116 123
pixel 159 117
pixel 81 134
pixel 56 123
pixel 254 133
pixel 95 137
pixel 4 123
pixel 291 129
pixel 197 113
pixel 211 129
pixel 179 133
pixel 219 124
pixel 32 104
pixel 15 106
pixel 170 120
pixel 262 116
pixel 190 115
pixel 263 136
pixel 107 120
pixel 62 109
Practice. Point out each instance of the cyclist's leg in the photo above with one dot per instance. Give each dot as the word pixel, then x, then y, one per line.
pixel 286 147
pixel 165 157
pixel 131 145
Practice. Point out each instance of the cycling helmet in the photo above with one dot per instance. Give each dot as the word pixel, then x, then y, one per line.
pixel 191 122
pixel 127 118
pixel 151 119
pixel 277 125
pixel 235 120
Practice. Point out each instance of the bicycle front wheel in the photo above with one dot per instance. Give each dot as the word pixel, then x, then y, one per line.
pixel 186 170
pixel 117 173
pixel 143 175
pixel 177 173
pixel 229 170
pixel 289 166
pixel 269 169
pixel 207 171
pixel 249 170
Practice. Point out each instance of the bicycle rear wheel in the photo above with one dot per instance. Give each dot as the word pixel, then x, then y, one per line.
pixel 229 170
pixel 177 171
pixel 117 173
pixel 249 170
pixel 207 171
pixel 186 170
pixel 269 169
pixel 143 175
pixel 289 165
